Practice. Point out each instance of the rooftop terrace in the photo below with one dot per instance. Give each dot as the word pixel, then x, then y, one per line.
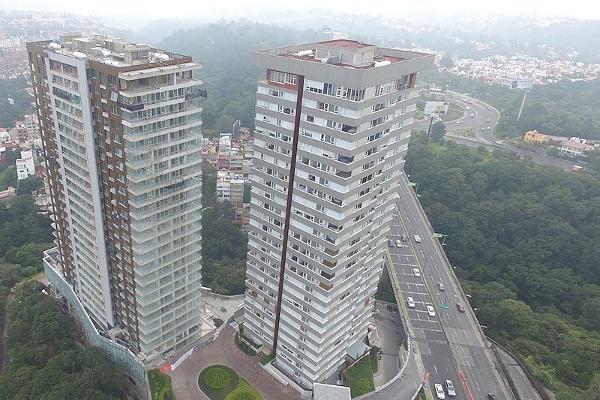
pixel 110 50
pixel 344 52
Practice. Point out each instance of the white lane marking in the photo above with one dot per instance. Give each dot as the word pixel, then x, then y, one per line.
pixel 435 368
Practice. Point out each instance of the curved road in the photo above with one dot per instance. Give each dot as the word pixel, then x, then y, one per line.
pixel 486 116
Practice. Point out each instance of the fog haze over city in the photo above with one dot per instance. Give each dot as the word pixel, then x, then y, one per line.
pixel 276 10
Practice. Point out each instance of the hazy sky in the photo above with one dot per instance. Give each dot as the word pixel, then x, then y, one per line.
pixel 209 9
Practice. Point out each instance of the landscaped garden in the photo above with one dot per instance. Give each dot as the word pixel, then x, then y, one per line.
pixel 219 382
pixel 360 377
pixel 160 385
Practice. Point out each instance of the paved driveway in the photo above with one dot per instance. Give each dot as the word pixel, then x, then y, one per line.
pixel 223 351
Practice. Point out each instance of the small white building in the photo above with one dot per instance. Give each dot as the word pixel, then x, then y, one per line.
pixel 574 146
pixel 25 165
pixel 322 391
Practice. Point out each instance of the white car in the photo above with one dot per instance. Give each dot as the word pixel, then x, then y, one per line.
pixel 417 238
pixel 398 243
pixel 411 302
pixel 430 311
pixel 416 272
pixel 450 388
pixel 457 122
pixel 439 391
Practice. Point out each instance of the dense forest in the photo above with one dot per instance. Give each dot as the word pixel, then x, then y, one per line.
pixel 14 89
pixel 524 239
pixel 228 73
pixel 224 245
pixel 562 109
pixel 46 362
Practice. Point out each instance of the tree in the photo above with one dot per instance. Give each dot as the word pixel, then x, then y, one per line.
pixel 438 130
pixel 593 392
pixel 553 151
pixel 29 185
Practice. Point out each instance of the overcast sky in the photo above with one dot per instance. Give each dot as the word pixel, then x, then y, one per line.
pixel 209 9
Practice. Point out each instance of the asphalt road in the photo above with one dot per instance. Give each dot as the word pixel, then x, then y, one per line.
pixel 486 116
pixel 451 344
pixel 391 336
pixel 427 331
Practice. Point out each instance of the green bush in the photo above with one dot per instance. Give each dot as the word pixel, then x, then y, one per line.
pixel 160 385
pixel 217 377
pixel 243 346
pixel 219 382
pixel 267 359
pixel 243 396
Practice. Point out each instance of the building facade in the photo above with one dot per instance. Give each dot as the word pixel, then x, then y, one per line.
pixel 120 129
pixel 25 165
pixel 333 122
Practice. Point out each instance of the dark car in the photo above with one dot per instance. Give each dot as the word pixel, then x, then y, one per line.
pixel 460 307
pixel 491 396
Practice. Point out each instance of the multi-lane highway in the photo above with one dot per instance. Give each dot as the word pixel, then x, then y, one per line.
pixel 451 344
pixel 427 333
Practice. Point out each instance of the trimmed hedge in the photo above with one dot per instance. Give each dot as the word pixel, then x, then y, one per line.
pixel 212 382
pixel 217 377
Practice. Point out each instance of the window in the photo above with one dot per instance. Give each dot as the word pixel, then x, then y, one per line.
pixel 283 78
pixel 310 118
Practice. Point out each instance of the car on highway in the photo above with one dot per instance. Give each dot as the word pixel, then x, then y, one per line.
pixel 489 109
pixel 491 396
pixel 439 391
pixel 458 122
pixel 460 307
pixel 430 311
pixel 450 388
pixel 398 243
pixel 468 108
pixel 488 120
pixel 391 243
pixel 417 238
pixel 416 272
pixel 488 128
pixel 411 302
pixel 440 286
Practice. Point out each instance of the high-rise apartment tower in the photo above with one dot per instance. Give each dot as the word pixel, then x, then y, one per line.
pixel 333 122
pixel 120 127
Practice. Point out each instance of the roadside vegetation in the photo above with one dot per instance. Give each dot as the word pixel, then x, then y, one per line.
pixel 524 239
pixel 562 109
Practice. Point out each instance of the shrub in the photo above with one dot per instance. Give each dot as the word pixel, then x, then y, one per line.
pixel 217 377
pixel 243 396
pixel 160 385
pixel 243 346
